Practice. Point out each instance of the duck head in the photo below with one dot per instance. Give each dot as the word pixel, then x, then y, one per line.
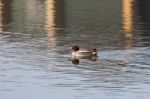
pixel 75 48
pixel 94 52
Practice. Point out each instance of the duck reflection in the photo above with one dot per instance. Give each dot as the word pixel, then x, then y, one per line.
pixel 76 61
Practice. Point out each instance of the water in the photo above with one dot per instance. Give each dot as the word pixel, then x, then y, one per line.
pixel 35 40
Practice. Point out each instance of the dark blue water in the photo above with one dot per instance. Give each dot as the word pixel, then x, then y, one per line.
pixel 35 41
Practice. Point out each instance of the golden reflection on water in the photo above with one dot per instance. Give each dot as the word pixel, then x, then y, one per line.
pixel 127 14
pixel 50 21
pixel 5 14
pixel 1 17
pixel 50 30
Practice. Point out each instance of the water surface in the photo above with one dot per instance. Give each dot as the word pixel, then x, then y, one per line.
pixel 35 40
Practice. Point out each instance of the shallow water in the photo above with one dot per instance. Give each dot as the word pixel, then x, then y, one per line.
pixel 35 40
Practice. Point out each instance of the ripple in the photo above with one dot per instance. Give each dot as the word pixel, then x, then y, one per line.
pixel 35 54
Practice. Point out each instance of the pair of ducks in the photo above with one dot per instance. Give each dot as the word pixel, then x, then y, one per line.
pixel 83 53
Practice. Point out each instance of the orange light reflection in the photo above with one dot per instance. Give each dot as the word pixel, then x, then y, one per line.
pixel 128 21
pixel 50 21
pixel 1 17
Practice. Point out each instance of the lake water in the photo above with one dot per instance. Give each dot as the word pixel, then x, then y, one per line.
pixel 35 41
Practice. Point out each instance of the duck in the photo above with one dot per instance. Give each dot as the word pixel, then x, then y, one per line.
pixel 83 53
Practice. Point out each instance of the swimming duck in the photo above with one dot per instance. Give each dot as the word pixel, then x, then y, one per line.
pixel 83 53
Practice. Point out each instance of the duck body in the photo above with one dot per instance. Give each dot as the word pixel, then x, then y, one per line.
pixel 82 53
